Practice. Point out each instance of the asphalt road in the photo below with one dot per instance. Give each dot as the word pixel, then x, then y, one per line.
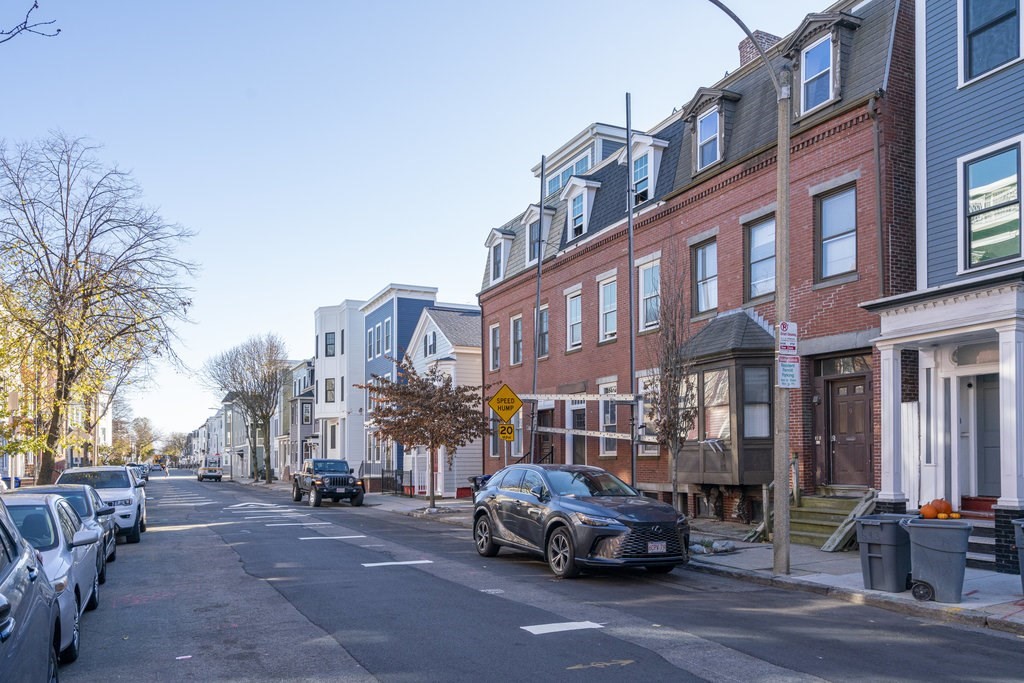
pixel 234 583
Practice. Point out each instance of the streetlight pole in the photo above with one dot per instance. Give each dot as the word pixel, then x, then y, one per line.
pixel 780 538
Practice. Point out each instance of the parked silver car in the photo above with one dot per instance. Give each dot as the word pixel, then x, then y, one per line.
pixel 117 486
pixel 95 514
pixel 68 549
pixel 29 617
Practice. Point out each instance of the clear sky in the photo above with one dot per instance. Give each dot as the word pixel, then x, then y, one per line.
pixel 323 149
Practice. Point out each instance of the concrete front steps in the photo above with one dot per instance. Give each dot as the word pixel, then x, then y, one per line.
pixel 818 516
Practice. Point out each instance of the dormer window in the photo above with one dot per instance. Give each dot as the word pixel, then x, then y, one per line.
pixel 579 195
pixel 646 153
pixel 498 245
pixel 816 74
pixel 577 215
pixel 496 262
pixel 707 138
pixel 641 180
pixel 536 228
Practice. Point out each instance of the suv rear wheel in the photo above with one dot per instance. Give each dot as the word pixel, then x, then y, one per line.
pixel 296 492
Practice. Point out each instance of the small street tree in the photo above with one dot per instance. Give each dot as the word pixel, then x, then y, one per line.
pixel 29 25
pixel 426 409
pixel 670 401
pixel 254 371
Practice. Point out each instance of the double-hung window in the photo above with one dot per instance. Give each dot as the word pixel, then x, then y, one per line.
pixel 609 305
pixel 542 332
pixel 387 335
pixel 430 343
pixel 379 341
pixel 496 262
pixel 991 35
pixel 650 295
pixel 369 344
pixel 716 405
pixel 641 180
pixel 328 344
pixel 329 390
pixel 495 338
pixel 574 321
pixel 816 75
pixel 609 420
pixel 705 272
pixel 707 139
pixel 577 216
pixel 516 340
pixel 837 219
pixel 761 258
pixel 535 241
pixel 757 401
pixel 992 206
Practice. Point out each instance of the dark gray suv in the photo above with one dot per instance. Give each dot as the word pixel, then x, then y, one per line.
pixel 576 516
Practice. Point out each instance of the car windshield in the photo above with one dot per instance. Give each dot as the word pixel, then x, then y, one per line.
pixel 340 467
pixel 76 498
pixel 101 479
pixel 586 484
pixel 35 524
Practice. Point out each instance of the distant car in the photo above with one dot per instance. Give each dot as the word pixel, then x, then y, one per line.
pixel 95 514
pixel 29 612
pixel 576 516
pixel 214 473
pixel 117 486
pixel 52 526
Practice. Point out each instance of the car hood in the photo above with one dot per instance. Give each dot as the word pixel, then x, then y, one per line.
pixel 107 495
pixel 626 508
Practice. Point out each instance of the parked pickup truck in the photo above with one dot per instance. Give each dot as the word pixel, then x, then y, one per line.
pixel 322 478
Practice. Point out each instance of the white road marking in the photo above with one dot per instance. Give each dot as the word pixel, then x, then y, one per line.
pixel 299 524
pixel 251 505
pixel 326 538
pixel 492 591
pixel 542 629
pixel 393 564
pixel 276 516
pixel 166 505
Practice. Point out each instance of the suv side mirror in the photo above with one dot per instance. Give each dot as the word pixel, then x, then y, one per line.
pixel 141 484
pixel 102 512
pixel 538 492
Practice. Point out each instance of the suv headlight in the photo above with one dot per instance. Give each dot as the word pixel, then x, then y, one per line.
pixel 121 503
pixel 594 520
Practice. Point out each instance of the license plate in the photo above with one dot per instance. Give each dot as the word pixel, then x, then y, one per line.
pixel 657 547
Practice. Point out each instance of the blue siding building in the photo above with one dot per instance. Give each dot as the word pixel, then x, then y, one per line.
pixel 965 321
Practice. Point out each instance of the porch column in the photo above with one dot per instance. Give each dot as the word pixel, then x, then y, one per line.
pixel 1011 427
pixel 892 427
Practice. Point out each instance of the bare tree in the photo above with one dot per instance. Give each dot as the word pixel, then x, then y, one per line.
pixel 27 25
pixel 90 275
pixel 175 445
pixel 670 398
pixel 254 371
pixel 428 409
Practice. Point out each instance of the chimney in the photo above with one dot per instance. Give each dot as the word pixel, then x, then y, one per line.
pixel 748 52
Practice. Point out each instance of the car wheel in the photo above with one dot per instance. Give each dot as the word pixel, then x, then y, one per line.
pixel 51 668
pixel 561 554
pixel 314 498
pixel 357 499
pixel 660 568
pixel 296 493
pixel 142 523
pixel 134 535
pixel 94 599
pixel 70 653
pixel 482 537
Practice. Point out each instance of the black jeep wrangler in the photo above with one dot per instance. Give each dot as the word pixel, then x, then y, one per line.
pixel 322 478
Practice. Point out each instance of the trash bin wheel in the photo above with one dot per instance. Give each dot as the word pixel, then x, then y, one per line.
pixel 922 592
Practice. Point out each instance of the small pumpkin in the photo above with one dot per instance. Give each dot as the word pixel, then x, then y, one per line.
pixel 943 515
pixel 954 515
pixel 928 511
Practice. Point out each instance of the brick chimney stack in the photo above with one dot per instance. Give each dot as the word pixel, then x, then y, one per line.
pixel 747 50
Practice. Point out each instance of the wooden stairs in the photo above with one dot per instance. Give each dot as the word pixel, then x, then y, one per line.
pixel 818 517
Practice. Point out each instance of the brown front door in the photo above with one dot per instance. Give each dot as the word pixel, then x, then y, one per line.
pixel 850 431
pixel 545 418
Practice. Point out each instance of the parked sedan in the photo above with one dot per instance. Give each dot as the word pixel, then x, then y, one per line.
pixel 69 550
pixel 117 486
pixel 576 516
pixel 95 514
pixel 29 617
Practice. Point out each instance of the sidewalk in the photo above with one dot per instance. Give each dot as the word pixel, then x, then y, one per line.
pixel 990 599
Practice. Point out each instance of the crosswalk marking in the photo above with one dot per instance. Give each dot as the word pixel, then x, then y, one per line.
pixel 326 538
pixel 542 629
pixel 394 564
pixel 299 524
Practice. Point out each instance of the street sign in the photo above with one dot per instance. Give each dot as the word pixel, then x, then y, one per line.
pixel 505 403
pixel 787 338
pixel 789 372
pixel 507 431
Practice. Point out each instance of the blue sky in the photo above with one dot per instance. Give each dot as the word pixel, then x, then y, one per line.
pixel 322 149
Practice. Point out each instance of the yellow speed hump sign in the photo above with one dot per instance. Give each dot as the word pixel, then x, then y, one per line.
pixel 505 403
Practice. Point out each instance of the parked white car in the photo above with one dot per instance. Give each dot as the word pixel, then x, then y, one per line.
pixel 117 486
pixel 52 527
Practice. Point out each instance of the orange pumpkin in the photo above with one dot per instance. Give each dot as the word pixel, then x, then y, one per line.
pixel 928 511
pixel 942 506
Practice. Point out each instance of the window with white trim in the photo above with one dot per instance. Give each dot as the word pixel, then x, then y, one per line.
pixel 990 35
pixel 837 232
pixel 516 340
pixel 328 344
pixel 757 402
pixel 576 216
pixel 991 206
pixel 650 295
pixel 609 419
pixel 816 74
pixel 495 337
pixel 497 262
pixel 646 386
pixel 379 341
pixel 641 179
pixel 608 301
pixel 387 335
pixel 329 390
pixel 761 258
pixel 535 241
pixel 557 181
pixel 707 138
pixel 716 424
pixel 369 344
pixel 574 321
pixel 705 272
pixel 542 332
pixel 430 343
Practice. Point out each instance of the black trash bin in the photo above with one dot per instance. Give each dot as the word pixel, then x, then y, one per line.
pixel 884 552
pixel 1018 535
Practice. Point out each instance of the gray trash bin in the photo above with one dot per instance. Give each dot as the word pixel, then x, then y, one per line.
pixel 938 557
pixel 1018 534
pixel 884 552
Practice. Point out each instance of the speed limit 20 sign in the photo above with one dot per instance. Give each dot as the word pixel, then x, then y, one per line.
pixel 507 431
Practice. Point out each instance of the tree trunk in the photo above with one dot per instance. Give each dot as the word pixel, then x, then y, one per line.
pixel 675 450
pixel 433 474
pixel 266 452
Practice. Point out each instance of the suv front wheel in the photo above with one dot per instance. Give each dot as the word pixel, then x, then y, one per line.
pixel 296 492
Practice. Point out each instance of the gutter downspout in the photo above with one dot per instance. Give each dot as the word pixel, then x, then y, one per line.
pixel 879 214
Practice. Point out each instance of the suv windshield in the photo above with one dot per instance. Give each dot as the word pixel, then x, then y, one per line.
pixel 338 466
pixel 586 484
pixel 103 479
